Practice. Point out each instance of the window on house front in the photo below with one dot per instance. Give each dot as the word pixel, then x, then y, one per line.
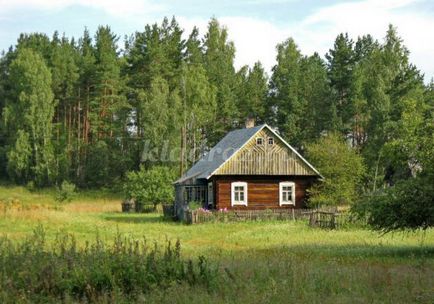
pixel 270 141
pixel 287 193
pixel 259 141
pixel 239 193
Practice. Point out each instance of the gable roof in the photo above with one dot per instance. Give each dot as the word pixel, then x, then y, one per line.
pixel 226 149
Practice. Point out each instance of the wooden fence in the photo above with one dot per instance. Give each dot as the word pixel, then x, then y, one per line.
pixel 333 220
pixel 316 218
pixel 201 216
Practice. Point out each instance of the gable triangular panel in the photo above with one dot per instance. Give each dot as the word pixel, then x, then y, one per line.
pixel 275 158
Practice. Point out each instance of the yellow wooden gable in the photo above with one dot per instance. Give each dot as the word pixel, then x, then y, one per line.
pixel 275 158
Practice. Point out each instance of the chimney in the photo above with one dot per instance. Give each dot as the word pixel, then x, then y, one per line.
pixel 250 122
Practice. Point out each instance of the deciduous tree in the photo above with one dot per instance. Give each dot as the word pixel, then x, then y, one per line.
pixel 29 114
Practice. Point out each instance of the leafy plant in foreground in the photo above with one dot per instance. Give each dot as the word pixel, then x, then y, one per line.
pixel 35 271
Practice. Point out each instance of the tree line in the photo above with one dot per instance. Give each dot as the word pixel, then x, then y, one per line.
pixel 83 110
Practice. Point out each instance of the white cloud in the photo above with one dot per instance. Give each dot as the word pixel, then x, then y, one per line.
pixel 255 39
pixel 122 9
pixel 372 17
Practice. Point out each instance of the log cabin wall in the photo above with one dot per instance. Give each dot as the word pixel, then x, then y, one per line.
pixel 262 192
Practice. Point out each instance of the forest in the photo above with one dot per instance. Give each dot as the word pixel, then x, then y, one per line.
pixel 91 109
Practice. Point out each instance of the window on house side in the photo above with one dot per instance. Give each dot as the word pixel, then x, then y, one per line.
pixel 210 195
pixel 270 141
pixel 239 193
pixel 259 141
pixel 287 193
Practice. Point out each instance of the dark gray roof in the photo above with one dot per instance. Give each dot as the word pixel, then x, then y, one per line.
pixel 221 152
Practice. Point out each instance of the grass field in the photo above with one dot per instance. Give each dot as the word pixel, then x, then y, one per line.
pixel 259 262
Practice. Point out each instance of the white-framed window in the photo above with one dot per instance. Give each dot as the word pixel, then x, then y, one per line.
pixel 270 141
pixel 210 195
pixel 287 193
pixel 259 141
pixel 239 193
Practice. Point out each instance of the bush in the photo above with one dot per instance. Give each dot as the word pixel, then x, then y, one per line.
pixel 124 270
pixel 31 186
pixel 150 187
pixel 194 205
pixel 66 192
pixel 407 205
pixel 342 168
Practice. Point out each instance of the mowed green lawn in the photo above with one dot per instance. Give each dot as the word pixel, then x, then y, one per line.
pixel 259 262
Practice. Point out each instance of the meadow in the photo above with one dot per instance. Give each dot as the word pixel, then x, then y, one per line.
pixel 256 262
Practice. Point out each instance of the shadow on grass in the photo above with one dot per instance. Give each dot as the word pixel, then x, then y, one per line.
pixel 353 252
pixel 139 218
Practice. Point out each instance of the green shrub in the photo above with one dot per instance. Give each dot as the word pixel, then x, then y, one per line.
pixel 342 168
pixel 125 269
pixel 31 186
pixel 194 205
pixel 66 192
pixel 408 205
pixel 150 187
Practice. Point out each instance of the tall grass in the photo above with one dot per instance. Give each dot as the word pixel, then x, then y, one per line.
pixel 280 275
pixel 259 262
pixel 33 271
pixel 128 270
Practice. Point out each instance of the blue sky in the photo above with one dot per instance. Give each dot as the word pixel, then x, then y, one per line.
pixel 255 26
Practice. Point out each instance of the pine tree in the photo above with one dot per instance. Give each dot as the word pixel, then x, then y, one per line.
pixel 106 98
pixel 366 50
pixel 155 118
pixel 38 42
pixel 383 82
pixel 315 95
pixel 199 110
pixel 218 61
pixel 65 74
pixel 154 60
pixel 285 105
pixel 340 61
pixel 193 48
pixel 252 93
pixel 86 64
pixel 106 110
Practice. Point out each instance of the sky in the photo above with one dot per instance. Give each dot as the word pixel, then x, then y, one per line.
pixel 255 26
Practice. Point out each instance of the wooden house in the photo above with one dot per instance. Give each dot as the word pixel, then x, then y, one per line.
pixel 251 168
